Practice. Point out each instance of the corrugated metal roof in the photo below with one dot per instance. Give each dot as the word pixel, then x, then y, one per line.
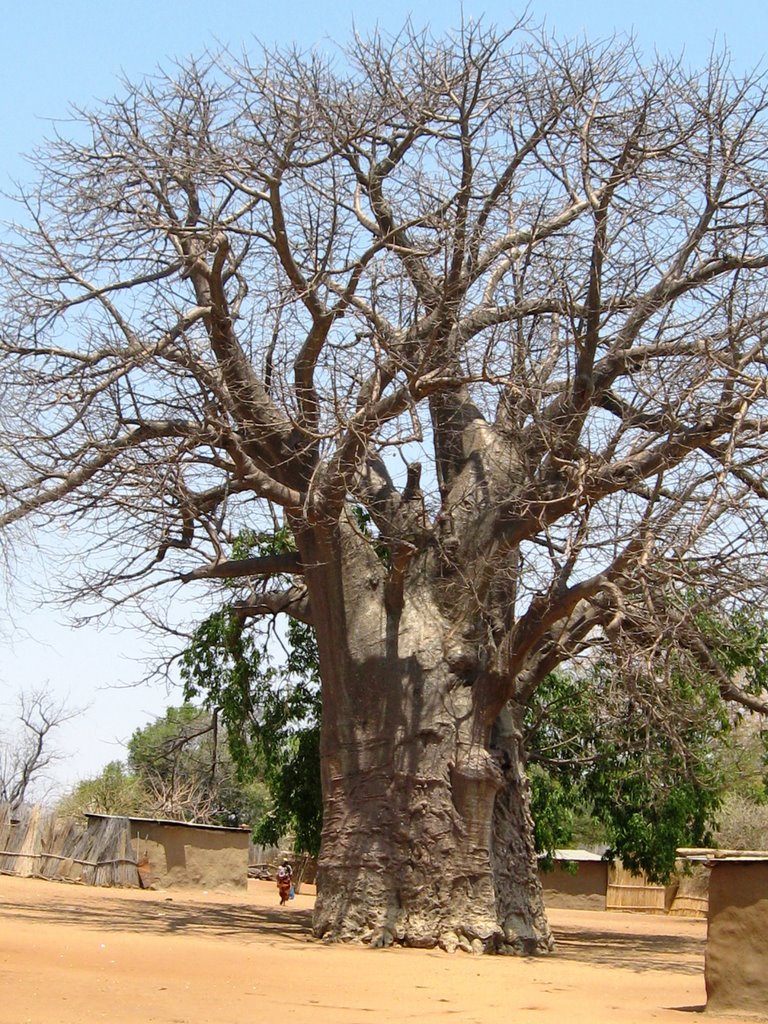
pixel 170 821
pixel 575 855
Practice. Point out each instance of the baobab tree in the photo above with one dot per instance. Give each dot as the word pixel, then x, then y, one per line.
pixel 480 321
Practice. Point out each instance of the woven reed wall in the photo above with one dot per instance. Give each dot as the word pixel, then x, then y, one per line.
pixel 685 896
pixel 628 892
pixel 692 896
pixel 35 843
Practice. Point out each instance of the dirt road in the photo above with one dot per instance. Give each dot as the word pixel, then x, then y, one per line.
pixel 77 955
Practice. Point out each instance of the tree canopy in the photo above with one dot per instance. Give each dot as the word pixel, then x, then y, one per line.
pixel 232 289
pixel 271 716
pixel 650 757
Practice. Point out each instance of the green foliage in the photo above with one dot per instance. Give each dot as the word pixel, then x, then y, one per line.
pixel 271 713
pixel 293 780
pixel 184 764
pixel 177 767
pixel 642 758
pixel 289 741
pixel 552 810
pixel 739 643
pixel 222 665
pixel 745 761
pixel 115 791
pixel 154 748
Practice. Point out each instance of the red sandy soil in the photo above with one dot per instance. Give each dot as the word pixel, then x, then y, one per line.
pixel 77 955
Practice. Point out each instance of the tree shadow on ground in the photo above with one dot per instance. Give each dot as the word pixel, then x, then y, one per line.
pixel 244 921
pixel 651 952
pixel 167 915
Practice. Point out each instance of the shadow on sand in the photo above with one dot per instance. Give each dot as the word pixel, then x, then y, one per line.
pixel 244 921
pixel 651 952
pixel 168 914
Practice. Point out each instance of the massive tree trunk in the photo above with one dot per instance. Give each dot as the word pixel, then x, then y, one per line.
pixel 427 834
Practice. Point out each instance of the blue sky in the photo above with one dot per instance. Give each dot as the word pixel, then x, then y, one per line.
pixel 53 54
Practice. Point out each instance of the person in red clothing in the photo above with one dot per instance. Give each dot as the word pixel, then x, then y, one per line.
pixel 284 877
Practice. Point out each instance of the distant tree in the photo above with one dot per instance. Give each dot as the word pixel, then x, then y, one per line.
pixel 504 296
pixel 746 760
pixel 742 820
pixel 183 765
pixel 179 767
pixel 27 752
pixel 115 790
pixel 742 823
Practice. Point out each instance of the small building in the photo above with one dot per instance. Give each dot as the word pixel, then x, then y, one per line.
pixel 577 881
pixel 736 965
pixel 181 854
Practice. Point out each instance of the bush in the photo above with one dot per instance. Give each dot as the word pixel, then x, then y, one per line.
pixel 742 824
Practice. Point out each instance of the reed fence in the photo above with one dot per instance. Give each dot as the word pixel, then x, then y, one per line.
pixel 36 843
pixel 628 892
pixel 685 896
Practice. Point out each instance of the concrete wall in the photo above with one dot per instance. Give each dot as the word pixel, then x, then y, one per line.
pixel 178 856
pixel 584 890
pixel 736 968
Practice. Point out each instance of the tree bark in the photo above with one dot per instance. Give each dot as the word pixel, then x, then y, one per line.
pixel 427 836
pixel 519 897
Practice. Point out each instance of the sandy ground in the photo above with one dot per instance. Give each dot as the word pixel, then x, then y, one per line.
pixel 75 955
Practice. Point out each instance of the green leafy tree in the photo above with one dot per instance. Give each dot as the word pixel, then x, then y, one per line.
pixel 177 767
pixel 746 760
pixel 647 757
pixel 116 790
pixel 183 763
pixel 271 716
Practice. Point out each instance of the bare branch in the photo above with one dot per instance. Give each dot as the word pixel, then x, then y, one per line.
pixel 263 565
